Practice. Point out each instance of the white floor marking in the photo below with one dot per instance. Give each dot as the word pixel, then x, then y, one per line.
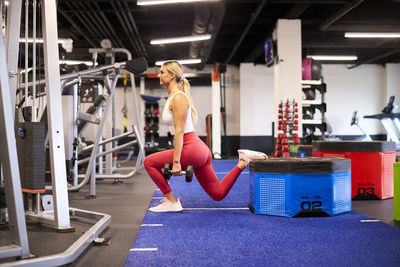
pixel 215 208
pixel 227 172
pixel 370 220
pixel 158 197
pixel 152 224
pixel 157 189
pixel 144 249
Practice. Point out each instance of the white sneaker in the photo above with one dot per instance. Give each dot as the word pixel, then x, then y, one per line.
pixel 167 206
pixel 249 155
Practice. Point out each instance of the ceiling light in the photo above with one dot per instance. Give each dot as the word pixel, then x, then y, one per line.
pixel 65 43
pixel 40 40
pixel 336 58
pixel 76 62
pixel 183 39
pixel 6 3
pixel 161 2
pixel 181 61
pixel 372 34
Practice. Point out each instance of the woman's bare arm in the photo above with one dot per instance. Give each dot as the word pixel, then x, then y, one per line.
pixel 179 106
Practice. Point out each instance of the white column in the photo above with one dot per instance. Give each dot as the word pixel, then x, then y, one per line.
pixel 9 162
pixel 54 115
pixel 287 72
pixel 12 46
pixel 216 116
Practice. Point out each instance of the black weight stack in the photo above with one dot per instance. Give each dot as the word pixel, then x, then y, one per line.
pixel 30 137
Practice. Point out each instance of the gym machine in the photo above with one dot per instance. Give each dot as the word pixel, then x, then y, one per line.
pixel 60 213
pixel 110 52
pixel 354 121
pixel 134 66
pixel 390 121
pixel 105 72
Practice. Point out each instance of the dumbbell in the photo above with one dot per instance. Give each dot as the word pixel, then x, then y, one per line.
pixel 168 173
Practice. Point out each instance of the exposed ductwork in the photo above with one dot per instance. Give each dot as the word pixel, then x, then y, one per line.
pixel 207 20
pixel 201 19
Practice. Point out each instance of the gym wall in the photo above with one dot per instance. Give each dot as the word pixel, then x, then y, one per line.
pixel 392 79
pixel 365 89
pixel 361 89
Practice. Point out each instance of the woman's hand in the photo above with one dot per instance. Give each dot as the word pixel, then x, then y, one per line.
pixel 176 169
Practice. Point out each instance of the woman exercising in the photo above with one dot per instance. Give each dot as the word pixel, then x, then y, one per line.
pixel 179 114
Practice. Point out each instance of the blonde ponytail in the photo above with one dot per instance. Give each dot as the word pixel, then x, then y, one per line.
pixel 176 68
pixel 186 89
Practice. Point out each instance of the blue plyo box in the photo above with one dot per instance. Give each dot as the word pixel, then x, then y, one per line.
pixel 300 186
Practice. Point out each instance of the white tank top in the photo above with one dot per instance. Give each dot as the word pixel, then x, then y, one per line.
pixel 168 118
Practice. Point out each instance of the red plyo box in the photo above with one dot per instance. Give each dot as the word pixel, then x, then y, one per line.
pixel 371 165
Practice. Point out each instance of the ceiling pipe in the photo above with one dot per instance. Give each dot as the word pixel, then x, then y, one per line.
pixel 246 30
pixel 135 28
pixel 108 24
pixel 130 29
pixel 335 17
pixel 130 25
pixel 81 20
pixel 85 21
pixel 100 23
pixel 123 24
pixel 92 20
pixel 374 59
pixel 72 22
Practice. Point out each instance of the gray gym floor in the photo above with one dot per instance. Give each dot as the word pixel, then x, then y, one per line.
pixel 127 204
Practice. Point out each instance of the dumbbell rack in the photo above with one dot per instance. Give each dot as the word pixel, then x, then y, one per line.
pixel 151 116
pixel 309 107
pixel 288 125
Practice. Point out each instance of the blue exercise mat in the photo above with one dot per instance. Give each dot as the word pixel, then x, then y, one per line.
pixel 228 234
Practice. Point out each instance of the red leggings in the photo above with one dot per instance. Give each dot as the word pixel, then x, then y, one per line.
pixel 197 154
